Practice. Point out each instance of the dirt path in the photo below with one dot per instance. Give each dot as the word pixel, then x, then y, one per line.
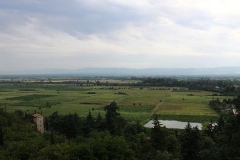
pixel 121 99
pixel 156 107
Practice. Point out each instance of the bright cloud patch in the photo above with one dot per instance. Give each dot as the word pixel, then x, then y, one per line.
pixel 110 33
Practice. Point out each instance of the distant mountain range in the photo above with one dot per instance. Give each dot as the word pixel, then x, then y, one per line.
pixel 218 71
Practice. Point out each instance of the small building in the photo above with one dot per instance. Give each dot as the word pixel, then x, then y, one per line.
pixel 38 120
pixel 236 111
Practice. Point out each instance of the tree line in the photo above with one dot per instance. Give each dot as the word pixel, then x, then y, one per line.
pixel 109 136
pixel 222 86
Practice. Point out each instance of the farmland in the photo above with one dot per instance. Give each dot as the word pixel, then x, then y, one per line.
pixel 135 103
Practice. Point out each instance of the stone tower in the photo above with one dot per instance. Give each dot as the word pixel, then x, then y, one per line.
pixel 38 120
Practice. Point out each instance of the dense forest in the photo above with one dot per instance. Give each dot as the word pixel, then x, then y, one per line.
pixel 109 136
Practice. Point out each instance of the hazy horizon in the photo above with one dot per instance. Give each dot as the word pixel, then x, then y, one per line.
pixel 218 71
pixel 79 34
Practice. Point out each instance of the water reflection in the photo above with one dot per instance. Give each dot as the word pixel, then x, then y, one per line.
pixel 173 124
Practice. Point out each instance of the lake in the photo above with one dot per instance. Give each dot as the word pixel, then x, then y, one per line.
pixel 173 124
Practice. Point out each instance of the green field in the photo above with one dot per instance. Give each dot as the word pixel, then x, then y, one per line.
pixel 187 103
pixel 135 103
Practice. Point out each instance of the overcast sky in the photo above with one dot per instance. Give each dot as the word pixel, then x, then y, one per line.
pixel 74 34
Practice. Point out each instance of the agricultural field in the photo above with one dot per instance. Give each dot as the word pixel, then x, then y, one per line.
pixel 68 79
pixel 135 103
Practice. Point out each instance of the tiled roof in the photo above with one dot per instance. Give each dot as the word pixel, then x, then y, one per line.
pixel 36 115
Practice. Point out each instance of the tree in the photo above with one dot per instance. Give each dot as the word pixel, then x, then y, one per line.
pixel 158 135
pixel 55 121
pixel 52 140
pixel 236 102
pixel 89 124
pixel 48 105
pixel 100 124
pixel 111 117
pixel 1 137
pixel 111 147
pixel 20 113
pixel 172 144
pixel 46 124
pixel 130 130
pixel 69 127
pixel 190 142
pixel 120 124
pixel 90 120
pixel 144 148
pixel 99 118
pixel 5 107
pixel 57 151
pixel 140 128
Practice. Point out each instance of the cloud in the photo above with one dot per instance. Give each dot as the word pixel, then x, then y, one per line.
pixel 112 33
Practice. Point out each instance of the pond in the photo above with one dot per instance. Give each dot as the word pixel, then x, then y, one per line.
pixel 173 124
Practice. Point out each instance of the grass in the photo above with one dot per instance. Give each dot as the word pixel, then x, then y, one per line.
pixel 180 103
pixel 186 91
pixel 189 118
pixel 135 104
pixel 141 117
pixel 29 97
pixel 137 109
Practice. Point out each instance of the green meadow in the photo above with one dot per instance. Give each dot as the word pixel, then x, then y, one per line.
pixel 135 103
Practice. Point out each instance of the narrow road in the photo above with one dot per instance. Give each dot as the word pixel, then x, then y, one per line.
pixel 156 107
pixel 121 99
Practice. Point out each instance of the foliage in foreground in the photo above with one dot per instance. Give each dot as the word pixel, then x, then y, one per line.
pixel 70 137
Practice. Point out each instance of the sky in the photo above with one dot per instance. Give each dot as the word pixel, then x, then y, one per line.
pixel 75 34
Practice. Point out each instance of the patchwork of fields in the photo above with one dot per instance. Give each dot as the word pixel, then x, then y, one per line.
pixel 135 103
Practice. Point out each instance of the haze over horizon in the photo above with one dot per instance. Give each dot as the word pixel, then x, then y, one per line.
pixel 75 34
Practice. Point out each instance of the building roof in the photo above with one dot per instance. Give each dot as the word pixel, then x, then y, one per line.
pixel 236 111
pixel 36 115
